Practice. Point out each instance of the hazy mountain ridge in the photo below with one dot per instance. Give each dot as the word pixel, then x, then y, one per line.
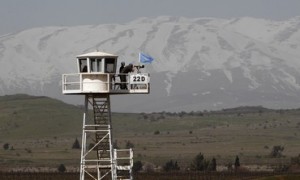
pixel 203 63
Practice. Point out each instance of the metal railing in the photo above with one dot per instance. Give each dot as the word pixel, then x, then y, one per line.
pixel 105 83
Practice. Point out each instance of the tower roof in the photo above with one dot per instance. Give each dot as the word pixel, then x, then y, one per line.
pixel 96 54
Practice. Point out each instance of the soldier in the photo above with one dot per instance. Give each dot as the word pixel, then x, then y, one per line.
pixel 122 67
pixel 123 75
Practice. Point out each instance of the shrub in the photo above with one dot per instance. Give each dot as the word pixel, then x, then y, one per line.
pixel 171 166
pixel 229 166
pixel 6 146
pixel 213 165
pixel 237 162
pixel 129 145
pixel 115 145
pixel 28 150
pixel 199 163
pixel 277 151
pixel 156 132
pixel 61 168
pixel 76 144
pixel 295 160
pixel 145 116
pixel 149 168
pixel 137 166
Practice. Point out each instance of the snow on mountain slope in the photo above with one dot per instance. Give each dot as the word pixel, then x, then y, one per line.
pixel 202 63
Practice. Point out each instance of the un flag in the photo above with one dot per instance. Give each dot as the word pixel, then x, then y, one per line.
pixel 146 59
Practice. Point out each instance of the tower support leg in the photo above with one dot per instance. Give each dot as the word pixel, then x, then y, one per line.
pixel 97 157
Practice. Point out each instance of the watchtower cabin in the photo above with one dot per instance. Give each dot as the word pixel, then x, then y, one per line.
pixel 97 74
pixel 97 79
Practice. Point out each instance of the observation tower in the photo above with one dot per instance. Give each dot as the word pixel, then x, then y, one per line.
pixel 97 79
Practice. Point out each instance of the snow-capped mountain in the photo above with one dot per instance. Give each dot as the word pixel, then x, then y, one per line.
pixel 203 63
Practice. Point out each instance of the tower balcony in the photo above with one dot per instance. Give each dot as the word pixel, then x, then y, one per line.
pixel 105 83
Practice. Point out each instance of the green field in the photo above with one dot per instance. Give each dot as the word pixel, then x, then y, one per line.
pixel 40 132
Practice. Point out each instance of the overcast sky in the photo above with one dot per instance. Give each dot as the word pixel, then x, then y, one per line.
pixel 17 15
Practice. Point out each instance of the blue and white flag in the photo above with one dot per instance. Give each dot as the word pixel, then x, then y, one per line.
pixel 146 59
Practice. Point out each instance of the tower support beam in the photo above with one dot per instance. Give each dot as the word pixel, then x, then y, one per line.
pixel 97 157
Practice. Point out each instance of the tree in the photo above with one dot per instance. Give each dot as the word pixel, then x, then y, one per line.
pixel 171 166
pixel 137 166
pixel 277 151
pixel 213 165
pixel 237 162
pixel 6 146
pixel 76 144
pixel 199 163
pixel 61 168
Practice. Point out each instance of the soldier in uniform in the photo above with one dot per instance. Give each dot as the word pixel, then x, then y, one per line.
pixel 125 71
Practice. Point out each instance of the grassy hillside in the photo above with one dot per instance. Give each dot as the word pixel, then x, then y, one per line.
pixel 32 117
pixel 223 135
pixel 40 131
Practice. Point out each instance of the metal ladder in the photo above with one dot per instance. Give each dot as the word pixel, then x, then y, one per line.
pixel 123 163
